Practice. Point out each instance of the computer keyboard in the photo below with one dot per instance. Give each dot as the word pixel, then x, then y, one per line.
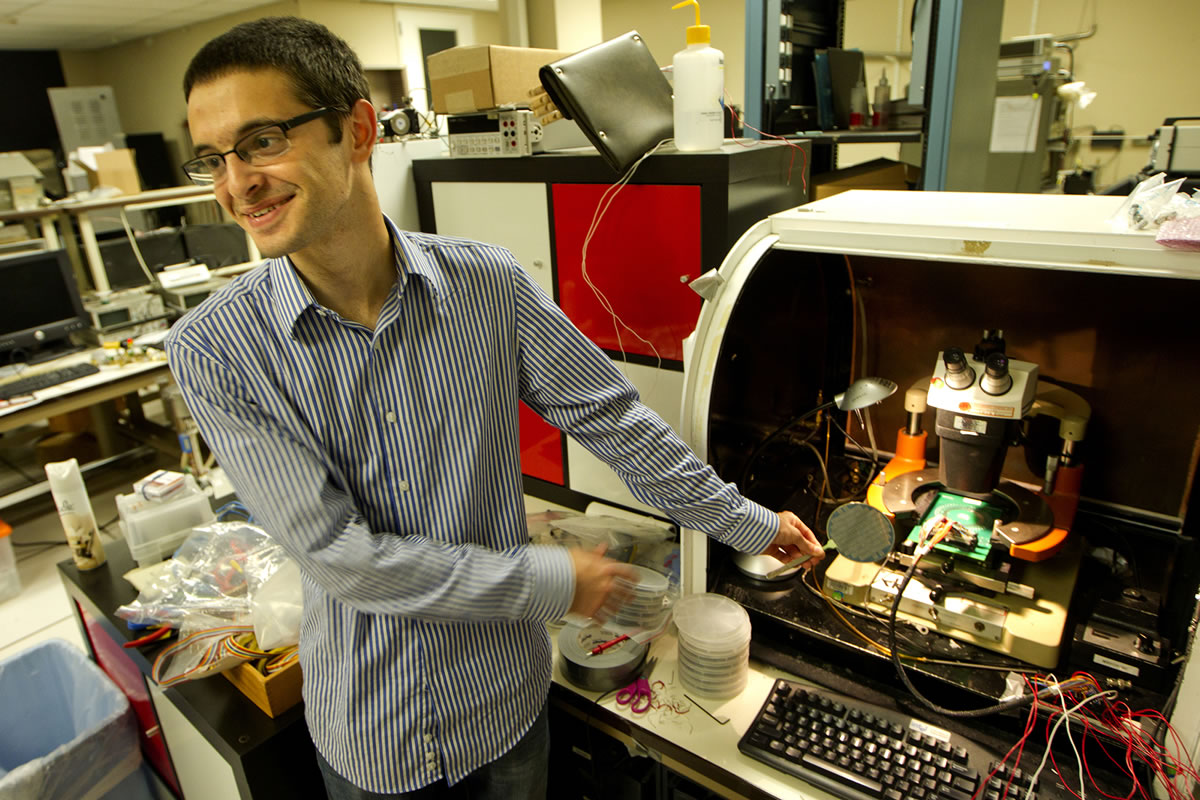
pixel 860 751
pixel 44 380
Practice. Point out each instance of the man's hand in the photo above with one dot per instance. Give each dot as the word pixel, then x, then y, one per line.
pixel 596 581
pixel 794 540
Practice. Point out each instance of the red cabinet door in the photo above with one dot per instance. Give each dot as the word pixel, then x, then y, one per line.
pixel 541 448
pixel 112 658
pixel 642 256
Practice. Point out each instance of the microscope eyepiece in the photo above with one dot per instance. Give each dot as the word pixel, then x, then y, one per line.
pixel 996 380
pixel 958 374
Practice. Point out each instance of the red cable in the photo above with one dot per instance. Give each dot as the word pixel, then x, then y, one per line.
pixel 1030 723
pixel 785 140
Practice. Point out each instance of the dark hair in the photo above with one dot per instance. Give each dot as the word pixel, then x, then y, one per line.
pixel 322 68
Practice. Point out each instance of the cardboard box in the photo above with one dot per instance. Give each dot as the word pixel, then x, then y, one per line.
pixel 82 446
pixel 20 183
pixel 484 76
pixel 275 693
pixel 115 168
pixel 882 173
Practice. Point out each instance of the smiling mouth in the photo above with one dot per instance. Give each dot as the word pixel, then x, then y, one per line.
pixel 262 212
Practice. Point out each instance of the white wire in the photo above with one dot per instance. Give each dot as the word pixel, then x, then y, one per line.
pixel 1050 739
pixel 866 412
pixel 1078 759
pixel 606 199
pixel 137 251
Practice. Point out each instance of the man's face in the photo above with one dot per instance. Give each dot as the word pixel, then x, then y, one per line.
pixel 297 199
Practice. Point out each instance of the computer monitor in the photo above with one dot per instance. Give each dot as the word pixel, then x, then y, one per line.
pixel 216 245
pixel 41 307
pixel 159 248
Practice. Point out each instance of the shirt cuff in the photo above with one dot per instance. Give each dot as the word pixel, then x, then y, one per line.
pixel 758 528
pixel 553 582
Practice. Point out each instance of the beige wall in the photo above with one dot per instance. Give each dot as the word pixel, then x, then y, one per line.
pixel 664 30
pixel 543 22
pixel 147 74
pixel 369 28
pixel 1141 62
pixel 1139 66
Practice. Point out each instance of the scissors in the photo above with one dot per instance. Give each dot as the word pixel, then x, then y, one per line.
pixel 638 694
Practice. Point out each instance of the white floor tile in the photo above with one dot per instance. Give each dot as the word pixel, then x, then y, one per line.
pixel 66 629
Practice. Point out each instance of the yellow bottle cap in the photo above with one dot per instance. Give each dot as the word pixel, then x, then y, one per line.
pixel 696 34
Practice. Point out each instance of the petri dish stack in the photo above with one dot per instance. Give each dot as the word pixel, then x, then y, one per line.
pixel 714 644
pixel 646 601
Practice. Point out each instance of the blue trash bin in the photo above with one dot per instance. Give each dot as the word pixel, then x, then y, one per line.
pixel 68 732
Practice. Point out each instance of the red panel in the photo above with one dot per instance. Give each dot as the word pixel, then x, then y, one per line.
pixel 541 448
pixel 644 253
pixel 117 664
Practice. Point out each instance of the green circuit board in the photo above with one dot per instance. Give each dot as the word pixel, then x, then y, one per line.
pixel 975 517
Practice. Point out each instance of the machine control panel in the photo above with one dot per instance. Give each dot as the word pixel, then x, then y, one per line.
pixel 493 134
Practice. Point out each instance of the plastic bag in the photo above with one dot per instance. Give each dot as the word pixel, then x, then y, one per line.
pixel 276 608
pixel 1146 205
pixel 68 732
pixel 215 572
pixel 623 538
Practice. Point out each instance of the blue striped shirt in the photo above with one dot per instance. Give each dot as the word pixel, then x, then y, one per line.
pixel 386 462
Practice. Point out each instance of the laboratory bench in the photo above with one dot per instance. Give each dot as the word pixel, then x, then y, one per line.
pixel 206 739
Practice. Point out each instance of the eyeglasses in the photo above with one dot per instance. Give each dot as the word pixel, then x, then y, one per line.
pixel 260 146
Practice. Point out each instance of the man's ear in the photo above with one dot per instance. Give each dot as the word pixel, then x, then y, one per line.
pixel 363 129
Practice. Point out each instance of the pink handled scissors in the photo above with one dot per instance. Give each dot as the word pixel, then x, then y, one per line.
pixel 637 696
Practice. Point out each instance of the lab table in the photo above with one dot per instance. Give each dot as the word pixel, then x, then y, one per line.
pixel 206 739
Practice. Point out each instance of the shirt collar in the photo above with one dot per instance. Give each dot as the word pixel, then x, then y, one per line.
pixel 414 252
pixel 291 297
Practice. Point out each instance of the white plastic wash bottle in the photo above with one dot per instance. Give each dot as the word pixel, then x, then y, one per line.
pixel 699 85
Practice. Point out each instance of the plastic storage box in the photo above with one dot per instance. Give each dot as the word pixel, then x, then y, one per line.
pixel 155 528
pixel 10 581
pixel 68 732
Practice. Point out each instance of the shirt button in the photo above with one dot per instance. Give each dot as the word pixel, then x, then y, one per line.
pixel 390 416
pixel 428 738
pixel 403 486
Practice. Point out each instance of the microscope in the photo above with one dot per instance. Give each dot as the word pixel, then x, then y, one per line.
pixel 1004 567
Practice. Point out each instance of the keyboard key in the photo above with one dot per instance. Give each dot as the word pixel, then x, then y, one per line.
pixel 964 772
pixel 843 775
pixel 962 784
pixel 952 794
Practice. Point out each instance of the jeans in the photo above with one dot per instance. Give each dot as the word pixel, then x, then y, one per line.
pixel 519 774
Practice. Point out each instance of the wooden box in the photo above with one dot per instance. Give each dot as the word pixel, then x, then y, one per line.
pixel 274 694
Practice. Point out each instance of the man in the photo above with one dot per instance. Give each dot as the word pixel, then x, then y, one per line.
pixel 360 388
